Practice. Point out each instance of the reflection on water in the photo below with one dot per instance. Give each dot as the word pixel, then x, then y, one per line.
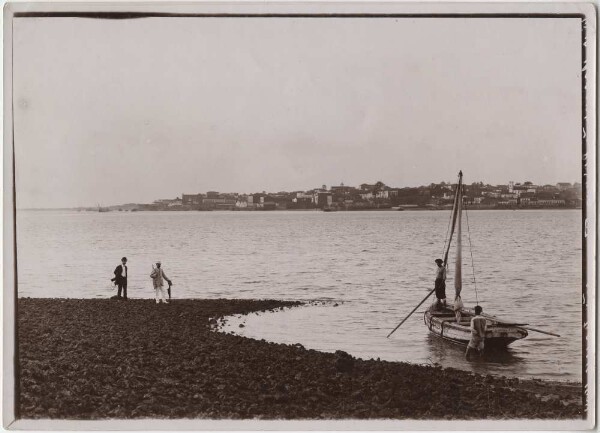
pixel 446 353
pixel 376 265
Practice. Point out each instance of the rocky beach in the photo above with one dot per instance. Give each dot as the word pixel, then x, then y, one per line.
pixel 100 359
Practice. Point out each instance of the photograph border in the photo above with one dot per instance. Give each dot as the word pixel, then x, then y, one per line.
pixel 240 10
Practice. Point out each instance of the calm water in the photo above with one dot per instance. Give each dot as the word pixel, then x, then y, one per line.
pixel 376 265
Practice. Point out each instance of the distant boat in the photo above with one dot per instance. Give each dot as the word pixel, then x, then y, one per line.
pixel 397 208
pixel 442 322
pixel 329 209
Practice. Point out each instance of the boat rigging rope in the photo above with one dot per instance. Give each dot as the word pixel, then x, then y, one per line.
pixel 471 251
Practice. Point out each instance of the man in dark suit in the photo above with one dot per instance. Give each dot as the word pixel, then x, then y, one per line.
pixel 121 278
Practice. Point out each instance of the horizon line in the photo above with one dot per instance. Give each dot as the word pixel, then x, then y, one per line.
pixel 266 192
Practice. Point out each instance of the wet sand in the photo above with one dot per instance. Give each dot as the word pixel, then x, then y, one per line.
pixel 98 359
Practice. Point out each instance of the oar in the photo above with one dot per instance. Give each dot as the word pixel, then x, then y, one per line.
pixel 540 331
pixel 410 314
pixel 524 327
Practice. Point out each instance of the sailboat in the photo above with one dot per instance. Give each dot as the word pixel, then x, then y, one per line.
pixel 453 324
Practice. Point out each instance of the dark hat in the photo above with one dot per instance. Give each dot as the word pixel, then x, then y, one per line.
pixel 439 261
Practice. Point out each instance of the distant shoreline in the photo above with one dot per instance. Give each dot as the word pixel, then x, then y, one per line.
pixel 303 210
pixel 101 358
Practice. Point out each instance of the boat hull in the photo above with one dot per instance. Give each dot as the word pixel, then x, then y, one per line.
pixel 443 324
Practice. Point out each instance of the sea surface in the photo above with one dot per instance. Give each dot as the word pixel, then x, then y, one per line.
pixel 371 269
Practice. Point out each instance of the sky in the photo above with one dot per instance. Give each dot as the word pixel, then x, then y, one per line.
pixel 120 111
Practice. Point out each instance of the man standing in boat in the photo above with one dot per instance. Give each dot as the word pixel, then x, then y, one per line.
pixel 440 283
pixel 478 328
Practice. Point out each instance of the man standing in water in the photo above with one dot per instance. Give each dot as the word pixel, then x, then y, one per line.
pixel 121 278
pixel 440 283
pixel 478 328
pixel 158 276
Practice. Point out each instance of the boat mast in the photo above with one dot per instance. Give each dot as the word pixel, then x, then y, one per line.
pixel 456 209
pixel 458 268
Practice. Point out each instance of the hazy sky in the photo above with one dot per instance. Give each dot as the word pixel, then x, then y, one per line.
pixel 117 111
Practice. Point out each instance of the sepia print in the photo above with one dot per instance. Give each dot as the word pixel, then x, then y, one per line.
pixel 348 215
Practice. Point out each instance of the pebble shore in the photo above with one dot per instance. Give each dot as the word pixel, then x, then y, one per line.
pixel 101 358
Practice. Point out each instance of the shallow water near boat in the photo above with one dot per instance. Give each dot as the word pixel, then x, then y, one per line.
pixel 376 265
pixel 322 327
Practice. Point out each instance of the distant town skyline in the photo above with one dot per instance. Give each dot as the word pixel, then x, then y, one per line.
pixel 318 187
pixel 118 111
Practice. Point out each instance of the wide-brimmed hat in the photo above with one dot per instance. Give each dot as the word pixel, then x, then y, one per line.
pixel 439 261
pixel 158 262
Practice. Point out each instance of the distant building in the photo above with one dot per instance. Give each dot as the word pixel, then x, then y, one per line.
pixel 551 203
pixel 324 199
pixel 216 201
pixel 383 194
pixel 263 201
pixel 175 203
pixel 191 199
pixel 549 188
pixel 243 202
pixel 367 187
pixel 167 202
pixel 563 186
pixel 304 195
pixel 229 204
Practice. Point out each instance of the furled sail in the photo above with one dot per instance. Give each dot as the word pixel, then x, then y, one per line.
pixel 454 213
pixel 457 220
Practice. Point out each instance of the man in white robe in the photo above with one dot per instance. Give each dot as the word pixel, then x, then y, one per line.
pixel 158 277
